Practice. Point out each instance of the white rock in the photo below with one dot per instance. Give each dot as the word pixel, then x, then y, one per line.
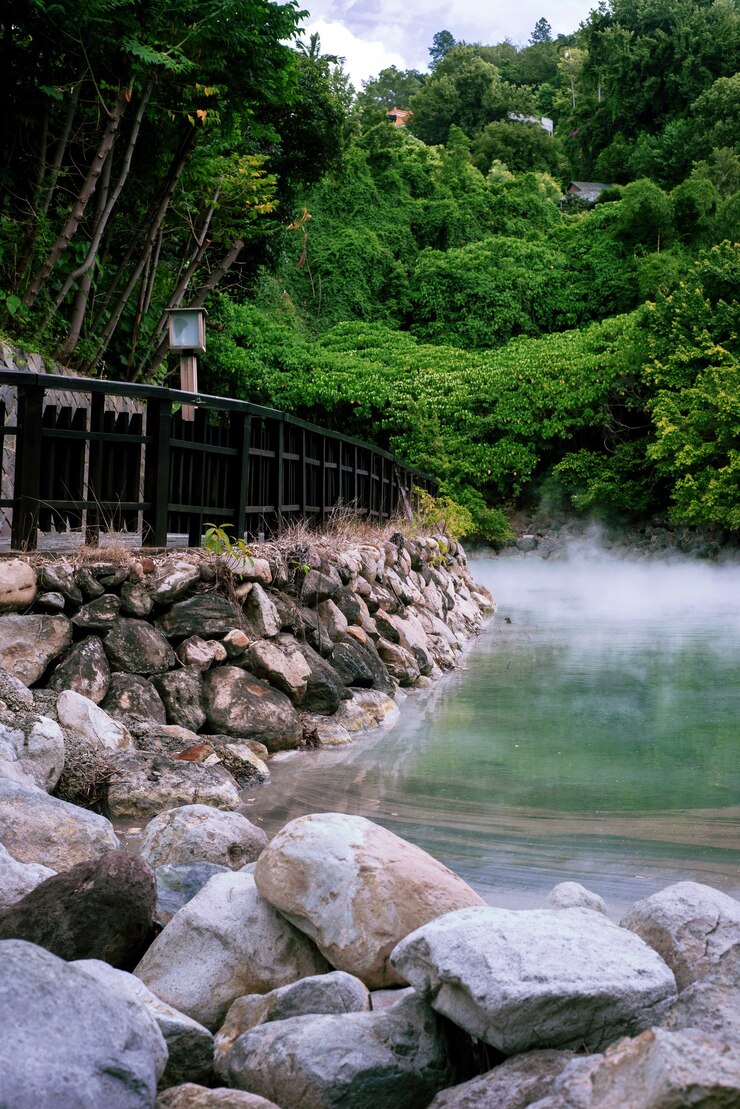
pixel 395 1058
pixel 17 585
pixel 333 619
pixel 356 889
pixel 514 1084
pixel 65 1041
pixel 366 709
pixel 85 720
pixel 536 978
pixel 286 670
pixel 33 751
pixel 37 828
pixel 262 613
pixel 225 942
pixel 322 993
pixel 17 879
pixel 572 895
pixel 29 643
pixel 689 924
pixel 173 580
pixel 199 833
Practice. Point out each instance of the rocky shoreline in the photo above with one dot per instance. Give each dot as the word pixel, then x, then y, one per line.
pixel 336 965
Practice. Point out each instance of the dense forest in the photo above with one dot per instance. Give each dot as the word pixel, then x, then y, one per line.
pixel 437 287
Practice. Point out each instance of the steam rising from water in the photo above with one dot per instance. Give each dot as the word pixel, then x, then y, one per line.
pixel 592 738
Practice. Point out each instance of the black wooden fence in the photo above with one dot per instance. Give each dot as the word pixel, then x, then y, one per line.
pixel 109 455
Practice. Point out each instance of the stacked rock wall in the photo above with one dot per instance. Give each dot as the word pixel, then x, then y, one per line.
pixel 185 673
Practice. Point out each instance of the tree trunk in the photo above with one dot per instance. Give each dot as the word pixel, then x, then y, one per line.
pixel 174 175
pixel 78 209
pixel 56 164
pixel 104 215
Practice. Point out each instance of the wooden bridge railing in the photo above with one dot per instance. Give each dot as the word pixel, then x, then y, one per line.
pixel 95 454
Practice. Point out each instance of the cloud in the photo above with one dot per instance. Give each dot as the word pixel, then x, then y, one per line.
pixel 365 57
pixel 373 34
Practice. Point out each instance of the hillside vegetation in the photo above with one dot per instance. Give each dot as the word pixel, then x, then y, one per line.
pixel 433 288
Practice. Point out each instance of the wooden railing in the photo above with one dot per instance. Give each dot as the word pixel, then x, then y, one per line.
pixel 93 455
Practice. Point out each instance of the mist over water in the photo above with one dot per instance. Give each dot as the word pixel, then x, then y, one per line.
pixel 594 738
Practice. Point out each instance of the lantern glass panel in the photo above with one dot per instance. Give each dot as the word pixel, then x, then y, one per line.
pixel 185 331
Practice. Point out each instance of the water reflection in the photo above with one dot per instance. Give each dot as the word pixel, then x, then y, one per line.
pixel 594 737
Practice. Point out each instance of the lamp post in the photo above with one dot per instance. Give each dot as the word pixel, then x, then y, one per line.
pixel 187 333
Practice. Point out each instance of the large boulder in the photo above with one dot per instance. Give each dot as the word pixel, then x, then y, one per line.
pixel 536 978
pixel 102 909
pixel 225 942
pixel 98 615
pixel 337 993
pixel 83 720
pixel 85 670
pixel 199 833
pixel 356 889
pixel 59 577
pixel 67 1041
pixel 29 643
pixel 172 580
pixel 207 615
pixel 514 1084
pixel 712 1003
pixel 663 1070
pixel 572 895
pixel 690 925
pixel 17 585
pixel 15 697
pixel 144 784
pixel 138 648
pixel 32 751
pixel 181 692
pixel 37 828
pixel 18 879
pixel 262 617
pixel 238 704
pixel 282 664
pixel 189 1044
pixel 398 1057
pixel 325 689
pixel 131 697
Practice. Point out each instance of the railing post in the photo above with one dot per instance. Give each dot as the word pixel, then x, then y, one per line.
pixel 27 483
pixel 157 472
pixel 280 482
pixel 242 432
pixel 94 471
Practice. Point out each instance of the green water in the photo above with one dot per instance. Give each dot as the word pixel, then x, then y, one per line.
pixel 593 738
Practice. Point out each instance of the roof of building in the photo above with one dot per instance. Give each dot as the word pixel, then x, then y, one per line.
pixel 589 190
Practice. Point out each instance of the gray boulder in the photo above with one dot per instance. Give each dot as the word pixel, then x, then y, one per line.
pixel 189 1044
pixel 136 600
pixel 207 615
pixel 181 692
pixel 262 618
pixel 536 978
pixel 712 1003
pixel 18 879
pixel 85 670
pixel 282 664
pixel 515 1083
pixel 15 697
pixel 131 697
pixel 225 942
pixel 199 833
pixel 83 720
pixel 178 883
pixel 100 614
pixel 690 925
pixel 173 579
pixel 29 643
pixel 322 993
pixel 67 1041
pixel 138 648
pixel 399 1057
pixel 37 828
pixel 32 751
pixel 238 704
pixel 325 689
pixel 144 784
pixel 59 577
pixel 666 1070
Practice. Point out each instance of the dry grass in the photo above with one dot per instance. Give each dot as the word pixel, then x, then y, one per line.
pixel 86 777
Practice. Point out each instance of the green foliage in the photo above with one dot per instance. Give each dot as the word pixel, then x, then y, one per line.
pixel 441 515
pixel 217 541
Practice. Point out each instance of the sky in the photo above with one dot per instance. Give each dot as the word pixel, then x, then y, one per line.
pixel 374 34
